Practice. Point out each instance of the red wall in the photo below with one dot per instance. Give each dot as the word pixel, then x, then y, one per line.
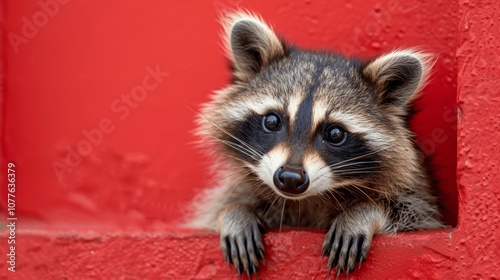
pixel 68 66
pixel 67 73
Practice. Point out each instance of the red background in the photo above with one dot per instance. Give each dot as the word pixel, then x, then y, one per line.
pixel 65 79
pixel 133 187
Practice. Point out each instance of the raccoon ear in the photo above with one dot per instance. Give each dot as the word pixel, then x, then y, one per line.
pixel 399 76
pixel 251 44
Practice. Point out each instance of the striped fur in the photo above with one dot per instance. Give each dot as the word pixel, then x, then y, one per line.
pixel 372 183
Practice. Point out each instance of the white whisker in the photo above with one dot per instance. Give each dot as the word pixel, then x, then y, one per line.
pixel 239 148
pixel 272 203
pixel 353 163
pixel 282 212
pixel 231 135
pixel 365 194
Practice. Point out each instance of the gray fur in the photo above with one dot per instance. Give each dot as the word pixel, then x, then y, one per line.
pixel 371 99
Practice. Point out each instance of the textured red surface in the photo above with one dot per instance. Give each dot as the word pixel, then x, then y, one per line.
pixel 66 77
pixel 78 69
pixel 291 255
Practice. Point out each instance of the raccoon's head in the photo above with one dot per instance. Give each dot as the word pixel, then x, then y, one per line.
pixel 306 123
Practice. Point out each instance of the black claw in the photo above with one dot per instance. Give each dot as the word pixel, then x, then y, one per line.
pixel 338 249
pixel 225 248
pixel 351 263
pixel 249 269
pixel 348 256
pixel 339 271
pixel 243 254
pixel 245 250
pixel 261 226
pixel 325 252
pixel 345 250
pixel 359 246
pixel 255 268
pixel 353 255
pixel 261 254
pixel 257 243
pixel 235 256
pixel 329 239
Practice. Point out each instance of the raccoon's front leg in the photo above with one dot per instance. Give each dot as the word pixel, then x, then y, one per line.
pixel 349 238
pixel 241 238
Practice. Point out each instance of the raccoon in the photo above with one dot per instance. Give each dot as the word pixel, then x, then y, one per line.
pixel 312 139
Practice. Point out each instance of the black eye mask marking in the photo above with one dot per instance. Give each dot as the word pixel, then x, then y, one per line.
pixel 347 154
pixel 260 133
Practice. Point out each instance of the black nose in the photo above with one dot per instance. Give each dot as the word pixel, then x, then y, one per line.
pixel 291 179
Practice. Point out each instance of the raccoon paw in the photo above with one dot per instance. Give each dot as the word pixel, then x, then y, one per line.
pixel 244 247
pixel 345 246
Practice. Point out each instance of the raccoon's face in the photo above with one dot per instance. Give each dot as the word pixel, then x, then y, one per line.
pixel 306 123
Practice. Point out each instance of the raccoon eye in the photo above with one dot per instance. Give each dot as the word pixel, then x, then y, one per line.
pixel 271 122
pixel 335 134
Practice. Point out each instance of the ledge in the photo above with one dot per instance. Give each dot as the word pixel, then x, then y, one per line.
pixel 470 251
pixel 46 254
